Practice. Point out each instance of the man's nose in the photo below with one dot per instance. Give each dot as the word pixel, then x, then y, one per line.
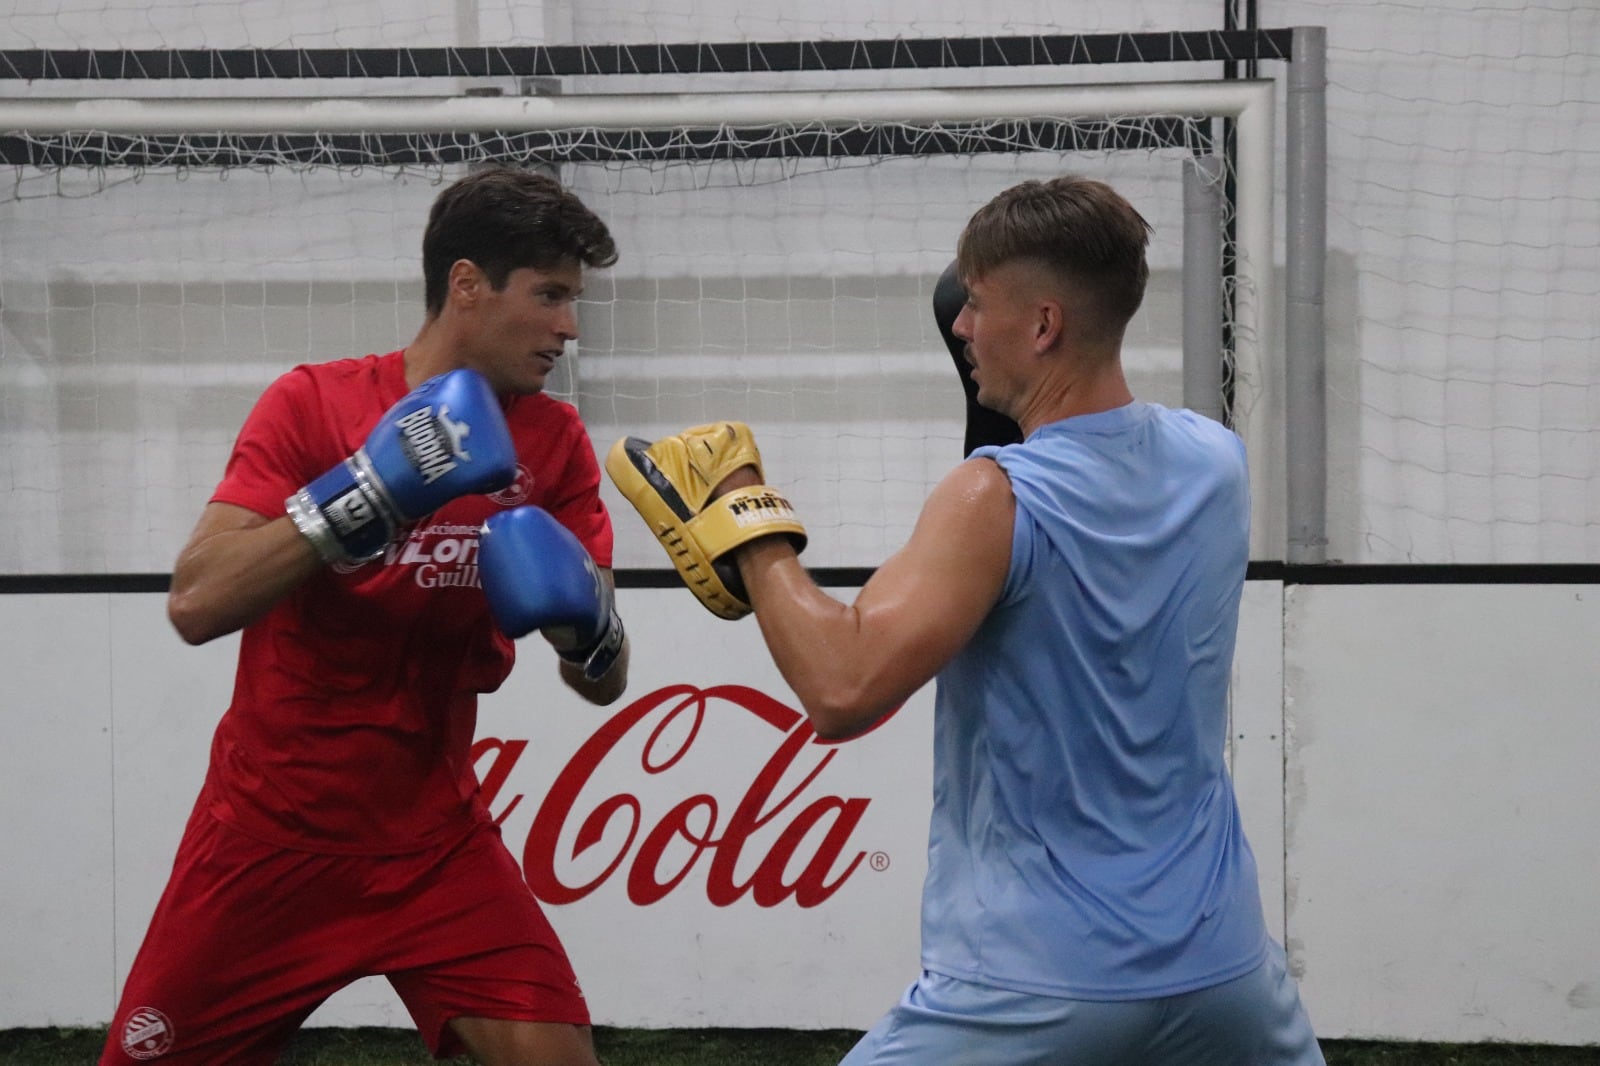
pixel 567 321
pixel 962 326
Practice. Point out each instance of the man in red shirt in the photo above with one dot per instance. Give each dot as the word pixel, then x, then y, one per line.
pixel 384 529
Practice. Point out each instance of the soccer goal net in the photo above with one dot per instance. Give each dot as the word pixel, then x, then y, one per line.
pixel 162 260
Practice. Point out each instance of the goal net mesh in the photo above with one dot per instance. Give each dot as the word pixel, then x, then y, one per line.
pixel 151 287
pixel 1463 226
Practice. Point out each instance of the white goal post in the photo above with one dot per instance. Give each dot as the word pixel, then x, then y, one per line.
pixel 1258 403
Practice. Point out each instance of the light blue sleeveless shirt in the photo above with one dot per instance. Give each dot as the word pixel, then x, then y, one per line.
pixel 1085 840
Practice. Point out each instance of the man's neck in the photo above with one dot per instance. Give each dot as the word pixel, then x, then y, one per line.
pixel 1085 393
pixel 430 353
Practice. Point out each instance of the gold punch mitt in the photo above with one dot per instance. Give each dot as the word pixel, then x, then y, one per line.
pixel 669 482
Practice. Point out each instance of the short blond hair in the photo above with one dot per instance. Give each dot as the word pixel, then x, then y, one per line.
pixel 1082 230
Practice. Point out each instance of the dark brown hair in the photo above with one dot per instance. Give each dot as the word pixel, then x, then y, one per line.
pixel 501 219
pixel 1083 230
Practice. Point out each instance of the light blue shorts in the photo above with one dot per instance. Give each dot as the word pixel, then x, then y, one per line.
pixel 1254 1020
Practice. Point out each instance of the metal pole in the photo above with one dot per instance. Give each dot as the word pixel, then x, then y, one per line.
pixel 1202 286
pixel 1306 247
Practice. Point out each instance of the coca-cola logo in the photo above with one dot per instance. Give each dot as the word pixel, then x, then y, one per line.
pixel 783 839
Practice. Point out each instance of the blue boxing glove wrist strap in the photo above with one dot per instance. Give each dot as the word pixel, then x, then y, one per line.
pixel 345 513
pixel 597 659
pixel 313 526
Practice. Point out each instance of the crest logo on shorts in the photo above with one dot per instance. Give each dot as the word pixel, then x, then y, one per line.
pixel 517 492
pixel 147 1034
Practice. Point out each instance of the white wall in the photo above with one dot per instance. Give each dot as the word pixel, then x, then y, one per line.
pixel 1443 854
pixel 1414 764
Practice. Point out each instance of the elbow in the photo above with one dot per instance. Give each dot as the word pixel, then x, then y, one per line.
pixel 840 714
pixel 191 633
pixel 194 625
pixel 604 693
pixel 828 727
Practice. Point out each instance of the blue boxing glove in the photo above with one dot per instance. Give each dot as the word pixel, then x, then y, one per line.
pixel 538 576
pixel 447 438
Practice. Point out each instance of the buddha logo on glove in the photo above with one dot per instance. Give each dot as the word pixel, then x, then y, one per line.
pixel 433 442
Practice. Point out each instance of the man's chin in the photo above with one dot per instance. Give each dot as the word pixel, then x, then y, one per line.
pixel 529 384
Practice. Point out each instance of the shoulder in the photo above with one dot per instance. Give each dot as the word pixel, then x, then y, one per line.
pixel 542 409
pixel 1206 434
pixel 552 442
pixel 976 491
pixel 964 533
pixel 1201 426
pixel 546 423
pixel 336 375
pixel 980 474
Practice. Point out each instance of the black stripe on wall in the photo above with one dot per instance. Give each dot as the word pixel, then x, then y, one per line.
pixel 925 53
pixel 855 577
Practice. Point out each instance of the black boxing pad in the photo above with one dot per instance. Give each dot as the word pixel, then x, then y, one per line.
pixel 983 425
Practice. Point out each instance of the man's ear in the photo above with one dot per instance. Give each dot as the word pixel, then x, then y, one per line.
pixel 1049 322
pixel 466 282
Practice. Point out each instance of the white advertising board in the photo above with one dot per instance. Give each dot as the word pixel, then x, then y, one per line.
pixel 1414 765
pixel 706 861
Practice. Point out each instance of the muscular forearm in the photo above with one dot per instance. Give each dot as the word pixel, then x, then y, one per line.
pixel 852 665
pixel 228 577
pixel 816 642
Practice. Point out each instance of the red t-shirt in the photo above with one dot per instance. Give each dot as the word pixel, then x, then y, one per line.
pixel 355 699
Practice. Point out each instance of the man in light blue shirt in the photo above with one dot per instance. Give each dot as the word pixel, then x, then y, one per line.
pixel 1090 896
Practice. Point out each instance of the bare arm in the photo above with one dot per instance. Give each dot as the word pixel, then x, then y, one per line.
pixel 236 566
pixel 610 685
pixel 851 665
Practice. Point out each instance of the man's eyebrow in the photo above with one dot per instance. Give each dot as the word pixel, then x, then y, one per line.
pixel 560 287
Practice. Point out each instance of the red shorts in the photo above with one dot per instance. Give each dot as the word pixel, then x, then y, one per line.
pixel 249 939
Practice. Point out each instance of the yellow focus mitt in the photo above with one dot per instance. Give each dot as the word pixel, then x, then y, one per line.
pixel 669 482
